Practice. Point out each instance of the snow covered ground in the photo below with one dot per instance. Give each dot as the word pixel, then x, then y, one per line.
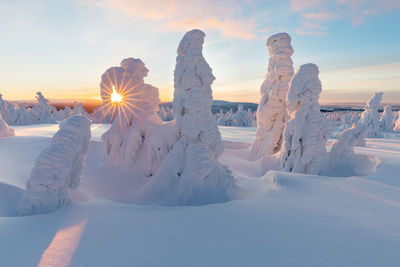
pixel 282 219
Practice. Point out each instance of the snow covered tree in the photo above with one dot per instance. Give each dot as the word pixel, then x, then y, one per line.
pixel 58 168
pixel 397 123
pixel 386 120
pixel 133 116
pixel 5 130
pixel 272 110
pixel 341 156
pixel 45 111
pixel 159 143
pixel 190 173
pixel 242 118
pixel 307 131
pixel 370 116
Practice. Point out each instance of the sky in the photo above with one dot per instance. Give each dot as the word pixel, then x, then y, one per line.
pixel 63 47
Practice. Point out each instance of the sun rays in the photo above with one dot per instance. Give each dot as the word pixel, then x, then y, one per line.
pixel 121 100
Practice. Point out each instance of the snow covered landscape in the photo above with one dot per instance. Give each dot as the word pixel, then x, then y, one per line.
pixel 284 218
pixel 136 153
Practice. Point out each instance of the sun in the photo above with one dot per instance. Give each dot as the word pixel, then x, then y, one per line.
pixel 115 97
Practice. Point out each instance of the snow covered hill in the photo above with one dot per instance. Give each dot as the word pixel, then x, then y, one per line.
pixel 280 219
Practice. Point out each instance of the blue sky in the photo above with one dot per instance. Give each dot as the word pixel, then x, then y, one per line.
pixel 63 47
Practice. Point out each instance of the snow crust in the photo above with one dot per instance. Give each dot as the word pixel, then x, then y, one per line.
pixel 307 131
pixel 134 117
pixel 272 111
pixel 190 173
pixel 370 117
pixel 58 168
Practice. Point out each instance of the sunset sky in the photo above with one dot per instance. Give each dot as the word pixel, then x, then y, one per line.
pixel 63 47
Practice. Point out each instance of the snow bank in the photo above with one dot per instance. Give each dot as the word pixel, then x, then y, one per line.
pixel 58 168
pixel 134 116
pixel 307 131
pixel 5 130
pixel 272 112
pixel 370 117
pixel 191 174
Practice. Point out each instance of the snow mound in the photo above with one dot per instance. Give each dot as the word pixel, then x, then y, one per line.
pixel 10 196
pixel 5 130
pixel 58 168
pixel 191 173
pixel 272 111
pixel 307 131
pixel 370 117
pixel 134 116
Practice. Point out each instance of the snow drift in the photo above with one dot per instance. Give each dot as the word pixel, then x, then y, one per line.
pixel 272 112
pixel 58 168
pixel 190 173
pixel 307 131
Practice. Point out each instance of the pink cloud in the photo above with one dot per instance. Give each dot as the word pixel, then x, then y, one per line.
pixel 224 16
pixel 319 16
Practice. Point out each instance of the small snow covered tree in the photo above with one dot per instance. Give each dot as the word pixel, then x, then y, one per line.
pixel 5 130
pixel 341 156
pixel 190 173
pixel 45 112
pixel 134 115
pixel 58 168
pixel 387 119
pixel 397 123
pixel 272 111
pixel 307 131
pixel 242 118
pixel 370 116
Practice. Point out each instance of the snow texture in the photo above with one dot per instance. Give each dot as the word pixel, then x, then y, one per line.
pixel 5 130
pixel 272 110
pixel 191 174
pixel 341 157
pixel 135 115
pixel 58 168
pixel 370 117
pixel 307 131
pixel 386 120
